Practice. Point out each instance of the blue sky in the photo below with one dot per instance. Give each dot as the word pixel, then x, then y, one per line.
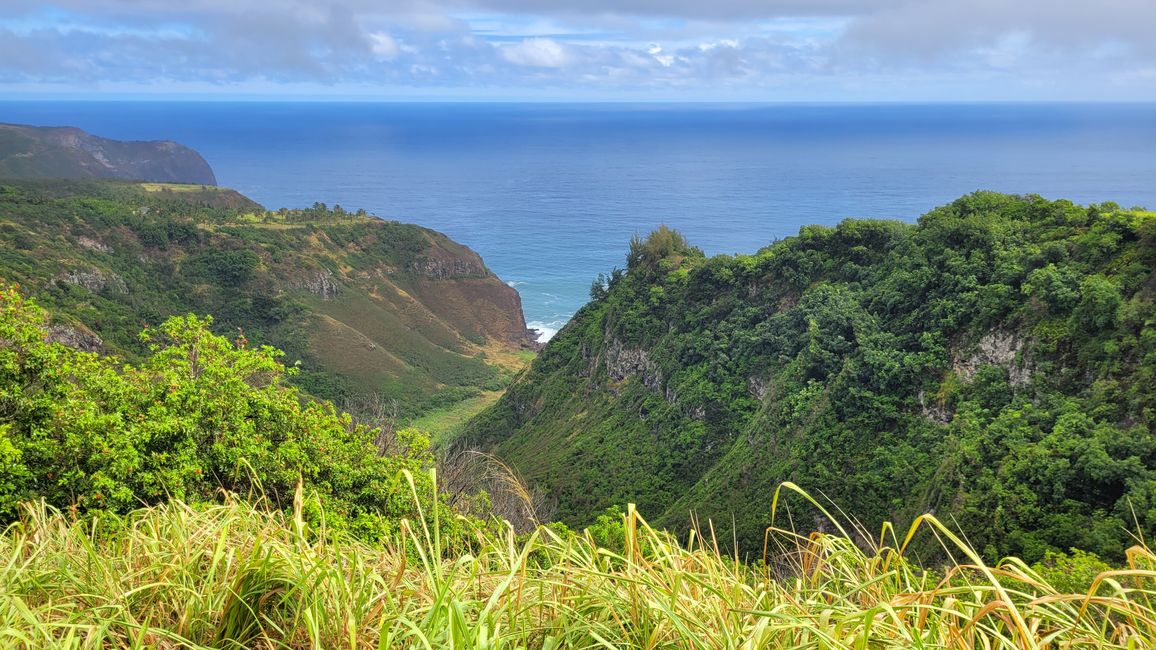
pixel 628 50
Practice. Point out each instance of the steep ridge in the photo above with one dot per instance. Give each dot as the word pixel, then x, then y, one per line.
pixel 372 309
pixel 994 364
pixel 31 152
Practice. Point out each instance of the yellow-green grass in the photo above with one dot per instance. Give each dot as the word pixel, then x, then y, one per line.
pixel 444 424
pixel 526 356
pixel 232 576
pixel 176 187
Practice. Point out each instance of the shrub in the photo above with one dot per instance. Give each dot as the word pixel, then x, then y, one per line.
pixel 1071 573
pixel 200 415
pixel 229 268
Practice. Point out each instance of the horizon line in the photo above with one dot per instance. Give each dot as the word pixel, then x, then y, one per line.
pixel 275 99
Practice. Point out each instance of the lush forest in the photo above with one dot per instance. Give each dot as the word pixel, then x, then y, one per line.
pixel 375 312
pixel 994 363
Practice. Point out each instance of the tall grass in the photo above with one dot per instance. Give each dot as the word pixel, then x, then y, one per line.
pixel 232 576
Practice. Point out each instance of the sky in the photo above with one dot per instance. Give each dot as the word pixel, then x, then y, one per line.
pixel 597 50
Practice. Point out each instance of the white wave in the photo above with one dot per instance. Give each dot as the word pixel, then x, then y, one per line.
pixel 515 283
pixel 546 331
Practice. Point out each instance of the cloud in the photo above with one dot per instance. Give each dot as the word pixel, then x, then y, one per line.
pixel 856 49
pixel 384 46
pixel 537 52
pixel 714 10
pixel 934 29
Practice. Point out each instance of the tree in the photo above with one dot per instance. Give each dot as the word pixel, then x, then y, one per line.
pixel 662 243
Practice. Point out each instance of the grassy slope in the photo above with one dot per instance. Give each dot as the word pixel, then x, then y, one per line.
pixel 446 424
pixel 838 360
pixel 168 249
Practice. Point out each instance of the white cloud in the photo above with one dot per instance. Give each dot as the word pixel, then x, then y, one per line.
pixel 728 43
pixel 537 52
pixel 384 46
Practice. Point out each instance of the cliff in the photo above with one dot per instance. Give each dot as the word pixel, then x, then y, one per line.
pixel 374 311
pixel 994 364
pixel 30 152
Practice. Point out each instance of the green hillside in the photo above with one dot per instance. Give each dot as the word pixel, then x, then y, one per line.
pixel 994 363
pixel 375 311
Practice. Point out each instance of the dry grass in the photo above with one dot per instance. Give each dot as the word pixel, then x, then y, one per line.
pixel 231 576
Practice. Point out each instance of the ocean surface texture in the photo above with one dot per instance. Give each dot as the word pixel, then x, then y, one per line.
pixel 550 194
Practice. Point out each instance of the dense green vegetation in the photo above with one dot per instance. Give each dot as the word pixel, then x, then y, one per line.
pixel 374 311
pixel 994 363
pixel 200 414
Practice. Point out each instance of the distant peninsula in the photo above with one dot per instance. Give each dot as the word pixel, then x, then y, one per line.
pixel 37 152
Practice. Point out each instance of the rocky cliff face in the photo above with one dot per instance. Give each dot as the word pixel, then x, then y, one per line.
pixel 319 283
pixel 69 153
pixel 444 265
pixel 80 338
pixel 1002 348
pixel 94 280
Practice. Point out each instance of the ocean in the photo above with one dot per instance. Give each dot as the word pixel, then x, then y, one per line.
pixel 550 194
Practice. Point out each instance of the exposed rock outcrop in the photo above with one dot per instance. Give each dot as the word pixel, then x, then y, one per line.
pixel 758 387
pixel 93 245
pixel 622 362
pixel 933 410
pixel 81 339
pixel 319 283
pixel 95 281
pixel 1003 348
pixel 442 268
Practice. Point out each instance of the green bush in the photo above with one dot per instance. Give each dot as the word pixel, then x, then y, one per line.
pixel 227 268
pixel 199 415
pixel 1072 573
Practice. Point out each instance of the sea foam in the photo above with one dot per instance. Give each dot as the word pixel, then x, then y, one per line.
pixel 546 331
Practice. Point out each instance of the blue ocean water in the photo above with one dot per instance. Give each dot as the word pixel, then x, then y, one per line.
pixel 550 194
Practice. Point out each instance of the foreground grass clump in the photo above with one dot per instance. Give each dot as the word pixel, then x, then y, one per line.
pixel 231 576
